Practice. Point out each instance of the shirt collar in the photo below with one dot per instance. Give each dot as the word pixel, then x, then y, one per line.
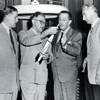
pixel 66 30
pixel 95 22
pixel 6 27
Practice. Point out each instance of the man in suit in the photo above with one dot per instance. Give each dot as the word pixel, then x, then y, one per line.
pixel 93 50
pixel 66 47
pixel 8 55
pixel 33 75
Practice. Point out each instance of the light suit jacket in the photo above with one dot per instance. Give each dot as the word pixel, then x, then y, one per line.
pixel 8 61
pixel 65 60
pixel 93 53
pixel 30 70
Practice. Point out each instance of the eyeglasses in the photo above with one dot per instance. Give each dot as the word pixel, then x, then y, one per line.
pixel 41 21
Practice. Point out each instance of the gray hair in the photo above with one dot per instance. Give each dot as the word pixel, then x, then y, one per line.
pixel 90 6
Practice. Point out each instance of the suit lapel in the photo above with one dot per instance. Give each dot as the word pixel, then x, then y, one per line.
pixel 69 34
pixel 58 36
pixel 88 40
pixel 91 33
pixel 6 36
pixel 55 40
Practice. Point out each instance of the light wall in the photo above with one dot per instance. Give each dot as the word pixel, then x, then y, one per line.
pixel 24 23
pixel 88 1
pixel 25 1
pixel 2 3
pixel 65 3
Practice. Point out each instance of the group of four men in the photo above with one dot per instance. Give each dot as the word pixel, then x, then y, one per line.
pixel 62 53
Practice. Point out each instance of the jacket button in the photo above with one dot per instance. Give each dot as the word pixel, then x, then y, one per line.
pixel 56 57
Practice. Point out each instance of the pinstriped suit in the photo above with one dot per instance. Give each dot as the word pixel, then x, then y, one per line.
pixel 64 65
pixel 8 62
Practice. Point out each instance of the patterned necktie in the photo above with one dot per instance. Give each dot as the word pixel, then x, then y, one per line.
pixel 61 37
pixel 12 41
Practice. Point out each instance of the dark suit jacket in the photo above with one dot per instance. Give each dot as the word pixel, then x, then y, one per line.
pixel 8 61
pixel 65 60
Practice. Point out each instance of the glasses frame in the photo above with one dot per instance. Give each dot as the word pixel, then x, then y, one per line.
pixel 41 21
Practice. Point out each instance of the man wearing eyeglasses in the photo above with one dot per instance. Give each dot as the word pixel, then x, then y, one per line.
pixel 33 75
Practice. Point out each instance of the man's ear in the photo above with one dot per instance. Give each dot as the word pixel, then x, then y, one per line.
pixel 33 21
pixel 70 21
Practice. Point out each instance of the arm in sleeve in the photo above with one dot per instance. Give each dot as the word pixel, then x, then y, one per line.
pixel 29 39
pixel 73 46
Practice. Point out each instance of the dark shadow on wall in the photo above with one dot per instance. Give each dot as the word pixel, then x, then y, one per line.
pixel 1 16
pixel 83 27
pixel 50 86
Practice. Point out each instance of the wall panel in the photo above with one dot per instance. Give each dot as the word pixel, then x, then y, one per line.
pixel 2 4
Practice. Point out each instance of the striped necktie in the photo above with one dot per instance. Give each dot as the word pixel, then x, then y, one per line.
pixel 12 41
pixel 61 36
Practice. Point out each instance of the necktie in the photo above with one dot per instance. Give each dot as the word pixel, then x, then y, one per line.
pixel 12 41
pixel 89 39
pixel 61 37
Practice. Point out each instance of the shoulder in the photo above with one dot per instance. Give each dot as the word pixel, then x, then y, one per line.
pixel 23 31
pixel 97 26
pixel 26 32
pixel 76 33
pixel 15 33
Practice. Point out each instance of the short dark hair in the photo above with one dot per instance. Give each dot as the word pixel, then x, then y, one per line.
pixel 66 12
pixel 90 6
pixel 7 10
pixel 36 14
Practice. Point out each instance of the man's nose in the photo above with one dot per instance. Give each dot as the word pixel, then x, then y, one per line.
pixel 84 18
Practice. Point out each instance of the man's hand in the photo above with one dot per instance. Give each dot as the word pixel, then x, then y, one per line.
pixel 50 31
pixel 45 56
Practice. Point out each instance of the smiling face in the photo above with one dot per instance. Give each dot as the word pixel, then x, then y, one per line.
pixel 39 23
pixel 64 21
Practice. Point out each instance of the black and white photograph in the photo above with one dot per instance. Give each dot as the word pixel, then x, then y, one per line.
pixel 49 49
